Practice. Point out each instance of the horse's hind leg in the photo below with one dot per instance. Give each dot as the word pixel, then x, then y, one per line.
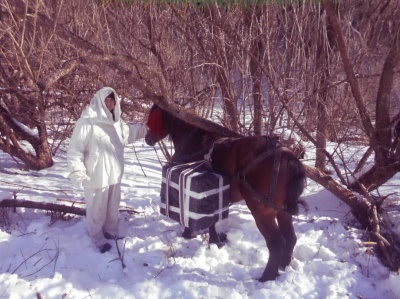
pixel 285 223
pixel 275 242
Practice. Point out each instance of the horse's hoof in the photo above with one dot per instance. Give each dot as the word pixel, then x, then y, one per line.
pixel 188 234
pixel 219 244
pixel 223 237
pixel 285 261
pixel 221 240
pixel 268 278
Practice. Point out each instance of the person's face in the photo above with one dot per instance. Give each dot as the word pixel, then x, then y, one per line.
pixel 110 104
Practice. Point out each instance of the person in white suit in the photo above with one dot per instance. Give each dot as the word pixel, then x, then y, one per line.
pixel 95 160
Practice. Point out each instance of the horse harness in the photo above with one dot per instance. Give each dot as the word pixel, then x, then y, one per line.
pixel 273 147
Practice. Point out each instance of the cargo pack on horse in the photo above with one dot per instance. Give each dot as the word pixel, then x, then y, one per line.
pixel 266 175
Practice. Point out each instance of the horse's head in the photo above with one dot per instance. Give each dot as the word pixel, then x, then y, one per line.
pixel 155 123
pixel 190 142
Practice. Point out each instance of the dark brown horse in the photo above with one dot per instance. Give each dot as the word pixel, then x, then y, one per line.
pixel 267 176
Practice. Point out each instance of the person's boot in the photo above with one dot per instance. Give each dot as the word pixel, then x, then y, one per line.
pixel 105 247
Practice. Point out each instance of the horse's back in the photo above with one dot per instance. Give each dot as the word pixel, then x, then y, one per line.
pixel 261 160
pixel 232 155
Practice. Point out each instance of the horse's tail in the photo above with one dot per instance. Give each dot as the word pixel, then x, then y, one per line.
pixel 296 183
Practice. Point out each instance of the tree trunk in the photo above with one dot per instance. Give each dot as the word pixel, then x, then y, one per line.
pixel 14 133
pixel 256 75
pixel 348 67
pixel 383 137
pixel 380 137
pixel 385 166
pixel 322 66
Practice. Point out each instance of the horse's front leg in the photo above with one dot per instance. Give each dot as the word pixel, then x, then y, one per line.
pixel 188 233
pixel 219 239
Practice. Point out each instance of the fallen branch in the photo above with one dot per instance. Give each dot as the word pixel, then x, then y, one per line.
pixel 365 209
pixel 49 206
pixel 360 207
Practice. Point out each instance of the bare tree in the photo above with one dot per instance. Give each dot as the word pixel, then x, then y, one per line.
pixel 278 61
pixel 379 135
pixel 190 57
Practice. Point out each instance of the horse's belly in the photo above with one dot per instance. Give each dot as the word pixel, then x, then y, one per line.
pixel 234 190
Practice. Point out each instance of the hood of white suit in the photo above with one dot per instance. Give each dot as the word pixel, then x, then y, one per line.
pixel 97 109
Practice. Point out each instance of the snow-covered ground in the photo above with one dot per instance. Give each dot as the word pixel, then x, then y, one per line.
pixel 42 257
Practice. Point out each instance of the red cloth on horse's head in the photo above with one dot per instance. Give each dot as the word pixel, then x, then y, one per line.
pixel 155 124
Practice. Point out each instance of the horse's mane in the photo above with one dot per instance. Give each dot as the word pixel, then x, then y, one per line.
pixel 170 118
pixel 197 140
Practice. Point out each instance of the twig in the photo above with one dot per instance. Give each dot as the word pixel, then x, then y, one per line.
pixel 34 188
pixel 52 259
pixel 383 244
pixel 140 164
pixel 164 150
pixel 368 244
pixel 37 261
pixel 121 256
pixel 90 295
pixel 130 210
pixel 381 238
pixel 57 254
pixel 171 253
pixel 158 158
pixel 26 259
pixel 5 290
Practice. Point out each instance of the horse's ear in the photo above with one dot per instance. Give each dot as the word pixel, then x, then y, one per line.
pixel 154 107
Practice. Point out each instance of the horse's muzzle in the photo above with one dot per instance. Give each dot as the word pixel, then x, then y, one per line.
pixel 150 139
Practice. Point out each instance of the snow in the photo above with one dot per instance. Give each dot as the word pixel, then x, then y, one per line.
pixel 40 254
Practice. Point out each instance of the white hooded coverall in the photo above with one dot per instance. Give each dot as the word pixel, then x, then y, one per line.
pixel 96 162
